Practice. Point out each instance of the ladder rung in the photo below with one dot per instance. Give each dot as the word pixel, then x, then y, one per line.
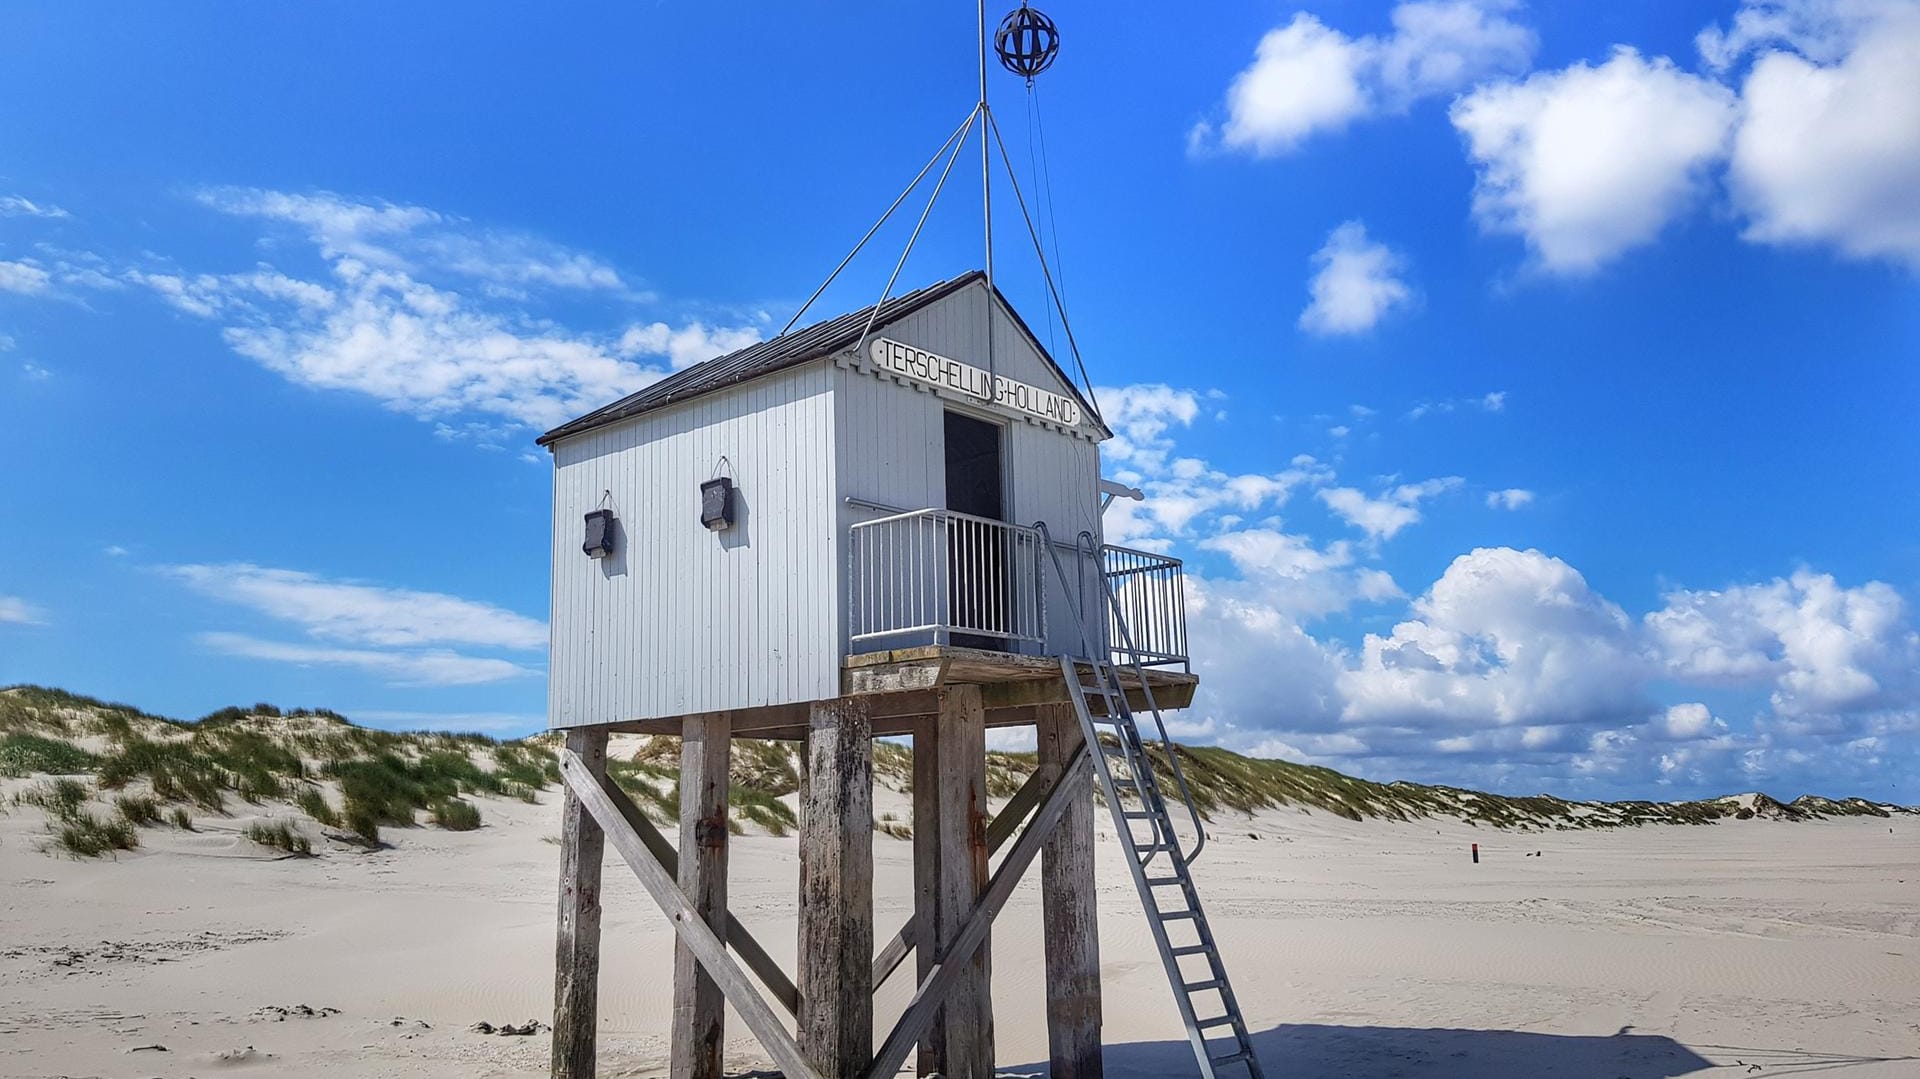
pixel 1095 684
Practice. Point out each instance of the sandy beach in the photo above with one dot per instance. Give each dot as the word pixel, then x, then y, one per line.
pixel 1360 948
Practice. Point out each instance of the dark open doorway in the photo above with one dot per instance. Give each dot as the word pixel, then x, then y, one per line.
pixel 976 560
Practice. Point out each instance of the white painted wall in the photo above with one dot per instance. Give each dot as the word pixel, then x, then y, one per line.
pixel 680 619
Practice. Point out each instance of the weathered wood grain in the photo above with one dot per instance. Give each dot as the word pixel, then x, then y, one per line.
pixel 950 870
pixel 593 792
pixel 999 830
pixel 1069 908
pixel 699 1009
pixel 576 976
pixel 836 890
pixel 932 992
pixel 738 938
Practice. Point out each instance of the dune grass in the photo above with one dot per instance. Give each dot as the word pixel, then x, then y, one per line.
pixel 363 822
pixel 57 798
pixel 83 835
pixel 162 769
pixel 455 814
pixel 313 803
pixel 281 836
pixel 25 754
pixel 139 810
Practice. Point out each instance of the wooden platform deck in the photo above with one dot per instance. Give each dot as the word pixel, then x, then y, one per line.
pixel 905 684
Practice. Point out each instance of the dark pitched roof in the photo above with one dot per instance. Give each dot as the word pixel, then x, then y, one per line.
pixel 789 350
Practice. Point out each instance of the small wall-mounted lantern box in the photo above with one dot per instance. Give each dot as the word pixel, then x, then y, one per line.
pixel 716 504
pixel 599 542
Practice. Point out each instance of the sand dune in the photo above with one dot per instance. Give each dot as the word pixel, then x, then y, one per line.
pixel 1360 949
pixel 1591 942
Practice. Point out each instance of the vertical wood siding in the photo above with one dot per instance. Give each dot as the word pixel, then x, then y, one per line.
pixel 1056 479
pixel 679 619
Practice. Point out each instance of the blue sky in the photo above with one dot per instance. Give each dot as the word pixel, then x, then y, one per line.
pixel 1531 388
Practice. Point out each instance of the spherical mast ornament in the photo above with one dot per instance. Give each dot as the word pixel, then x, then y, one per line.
pixel 1026 42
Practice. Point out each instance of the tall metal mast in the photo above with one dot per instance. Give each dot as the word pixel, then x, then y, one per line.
pixel 986 182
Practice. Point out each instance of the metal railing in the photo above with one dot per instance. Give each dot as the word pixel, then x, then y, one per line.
pixel 1122 649
pixel 946 575
pixel 1150 600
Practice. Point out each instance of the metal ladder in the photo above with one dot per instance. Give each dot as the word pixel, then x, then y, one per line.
pixel 1122 766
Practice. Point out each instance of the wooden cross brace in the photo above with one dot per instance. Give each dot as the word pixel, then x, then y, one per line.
pixel 650 858
pixel 999 831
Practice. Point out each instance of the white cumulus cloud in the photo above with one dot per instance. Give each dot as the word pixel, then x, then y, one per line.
pixel 1588 162
pixel 1688 722
pixel 1823 647
pixel 686 345
pixel 1357 282
pixel 1827 150
pixel 1307 77
pixel 1383 517
pixel 1504 638
pixel 1510 670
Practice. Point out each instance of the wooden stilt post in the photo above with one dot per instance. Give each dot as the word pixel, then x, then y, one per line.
pixel 699 1009
pixel 800 813
pixel 576 978
pixel 836 890
pixel 950 869
pixel 1068 907
pixel 931 1058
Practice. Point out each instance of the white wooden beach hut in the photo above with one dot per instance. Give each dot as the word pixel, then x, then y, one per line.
pixel 887 523
pixel 883 488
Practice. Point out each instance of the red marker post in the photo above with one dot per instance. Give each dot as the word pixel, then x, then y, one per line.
pixel 1476 854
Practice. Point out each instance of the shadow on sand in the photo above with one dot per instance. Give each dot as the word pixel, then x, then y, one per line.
pixel 1314 1051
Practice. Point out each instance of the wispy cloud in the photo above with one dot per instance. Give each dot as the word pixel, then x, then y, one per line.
pixel 401 634
pixel 18 611
pixel 356 612
pixel 414 238
pixel 33 372
pixel 26 278
pixel 485 722
pixel 21 206
pixel 1510 499
pixel 430 314
pixel 436 667
pixel 1486 402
